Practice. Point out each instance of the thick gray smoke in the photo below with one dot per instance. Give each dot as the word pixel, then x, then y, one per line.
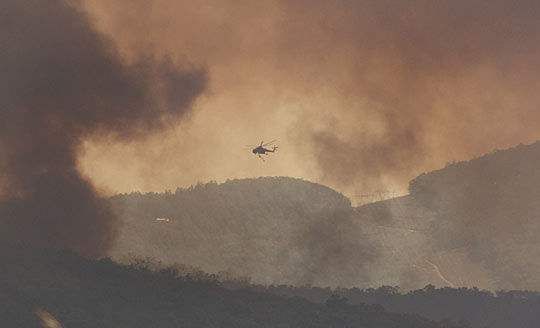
pixel 61 82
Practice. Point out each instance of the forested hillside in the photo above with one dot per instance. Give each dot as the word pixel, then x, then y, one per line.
pixel 81 293
pixel 273 230
pixel 478 308
pixel 473 223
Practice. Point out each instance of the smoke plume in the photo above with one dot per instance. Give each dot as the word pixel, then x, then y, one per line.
pixel 62 82
pixel 430 82
pixel 364 95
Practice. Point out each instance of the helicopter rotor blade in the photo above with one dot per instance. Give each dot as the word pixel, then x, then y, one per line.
pixel 270 142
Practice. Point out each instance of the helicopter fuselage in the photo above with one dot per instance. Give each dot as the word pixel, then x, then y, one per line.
pixel 262 151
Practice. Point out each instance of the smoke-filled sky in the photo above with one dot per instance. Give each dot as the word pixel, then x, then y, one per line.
pixel 363 95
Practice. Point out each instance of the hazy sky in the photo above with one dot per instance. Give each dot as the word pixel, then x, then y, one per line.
pixel 363 95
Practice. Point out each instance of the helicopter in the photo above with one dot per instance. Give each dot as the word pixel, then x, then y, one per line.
pixel 262 150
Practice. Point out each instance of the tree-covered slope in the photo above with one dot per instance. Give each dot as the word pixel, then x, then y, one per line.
pixel 86 294
pixel 472 223
pixel 270 229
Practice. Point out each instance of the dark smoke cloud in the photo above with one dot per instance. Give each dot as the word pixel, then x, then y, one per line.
pixel 62 82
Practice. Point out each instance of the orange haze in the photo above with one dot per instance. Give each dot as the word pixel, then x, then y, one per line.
pixel 364 95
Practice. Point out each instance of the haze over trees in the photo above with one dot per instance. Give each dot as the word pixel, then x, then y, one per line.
pixel 472 223
pixel 269 229
pixel 272 245
pixel 469 224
